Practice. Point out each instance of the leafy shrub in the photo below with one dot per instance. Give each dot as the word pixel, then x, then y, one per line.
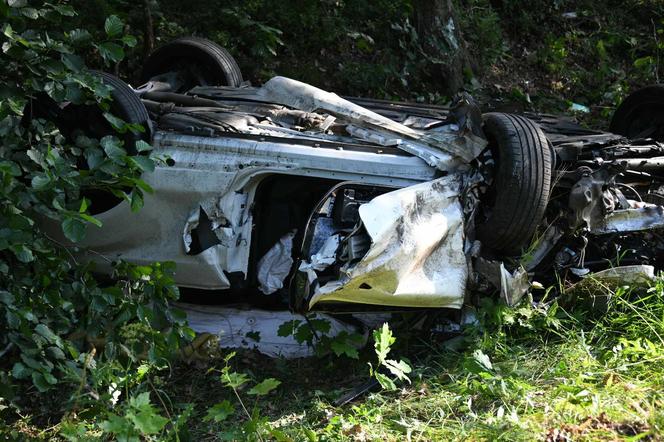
pixel 58 325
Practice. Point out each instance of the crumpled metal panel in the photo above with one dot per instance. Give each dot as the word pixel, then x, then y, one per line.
pixel 417 256
pixel 435 148
pixel 631 220
pixel 234 328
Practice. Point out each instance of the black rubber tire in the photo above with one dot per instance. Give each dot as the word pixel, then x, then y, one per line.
pixel 217 64
pixel 642 111
pixel 522 182
pixel 128 106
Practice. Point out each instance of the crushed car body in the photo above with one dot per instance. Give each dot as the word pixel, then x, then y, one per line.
pixel 325 202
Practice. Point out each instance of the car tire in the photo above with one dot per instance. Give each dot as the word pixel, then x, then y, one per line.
pixel 129 107
pixel 69 117
pixel 516 201
pixel 641 114
pixel 215 65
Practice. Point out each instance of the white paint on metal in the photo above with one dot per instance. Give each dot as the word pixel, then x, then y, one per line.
pixel 416 258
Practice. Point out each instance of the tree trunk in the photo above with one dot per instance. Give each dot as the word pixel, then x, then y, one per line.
pixel 440 36
pixel 148 33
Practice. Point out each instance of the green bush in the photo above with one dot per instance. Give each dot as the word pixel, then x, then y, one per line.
pixel 59 327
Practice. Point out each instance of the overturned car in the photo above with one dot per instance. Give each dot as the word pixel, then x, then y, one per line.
pixel 332 203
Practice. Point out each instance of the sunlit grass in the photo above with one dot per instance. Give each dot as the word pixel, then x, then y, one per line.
pixel 553 373
pixel 534 372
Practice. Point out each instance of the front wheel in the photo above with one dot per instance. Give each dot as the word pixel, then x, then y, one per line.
pixel 515 203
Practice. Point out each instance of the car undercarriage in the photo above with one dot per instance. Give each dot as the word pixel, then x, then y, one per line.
pixel 323 202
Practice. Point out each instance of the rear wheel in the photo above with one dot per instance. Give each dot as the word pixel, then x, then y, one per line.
pixel 76 119
pixel 516 201
pixel 190 62
pixel 641 114
pixel 129 107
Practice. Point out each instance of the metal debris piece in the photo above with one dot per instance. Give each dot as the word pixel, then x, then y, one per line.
pixel 257 329
pixel 416 257
pixel 435 149
pixel 596 289
pixel 631 220
pixel 513 286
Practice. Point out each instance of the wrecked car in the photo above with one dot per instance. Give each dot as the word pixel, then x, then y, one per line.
pixel 330 203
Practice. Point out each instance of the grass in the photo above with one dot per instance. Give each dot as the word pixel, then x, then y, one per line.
pixel 521 374
pixel 527 373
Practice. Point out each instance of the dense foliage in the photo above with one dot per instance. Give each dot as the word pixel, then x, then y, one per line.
pixel 58 324
pixel 105 346
pixel 536 53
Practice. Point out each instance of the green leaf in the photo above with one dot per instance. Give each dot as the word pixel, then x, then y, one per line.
pixel 94 157
pixel 145 187
pixel 142 146
pixel 304 334
pixel 482 359
pixel 219 412
pixel 22 253
pixel 383 340
pixel 343 347
pixel 119 426
pixel 84 205
pixel 320 325
pixel 117 123
pixel 136 200
pixel 644 62
pixel 78 36
pixel 64 10
pixel 20 371
pixel 148 421
pixel 233 379
pixel 399 369
pixel 264 387
pixel 55 353
pixel 111 146
pixel 30 13
pixel 288 328
pixel 6 298
pixel 129 40
pixel 143 163
pixel 73 228
pixel 254 335
pixel 111 51
pixel 40 382
pixel 385 382
pixel 90 219
pixel 46 333
pixel 17 3
pixel 40 182
pixel 113 26
pixel 73 62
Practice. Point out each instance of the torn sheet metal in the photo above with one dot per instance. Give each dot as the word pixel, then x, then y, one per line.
pixel 596 289
pixel 257 329
pixel 416 257
pixel 513 286
pixel 634 274
pixel 324 257
pixel 275 265
pixel 436 147
pixel 631 220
